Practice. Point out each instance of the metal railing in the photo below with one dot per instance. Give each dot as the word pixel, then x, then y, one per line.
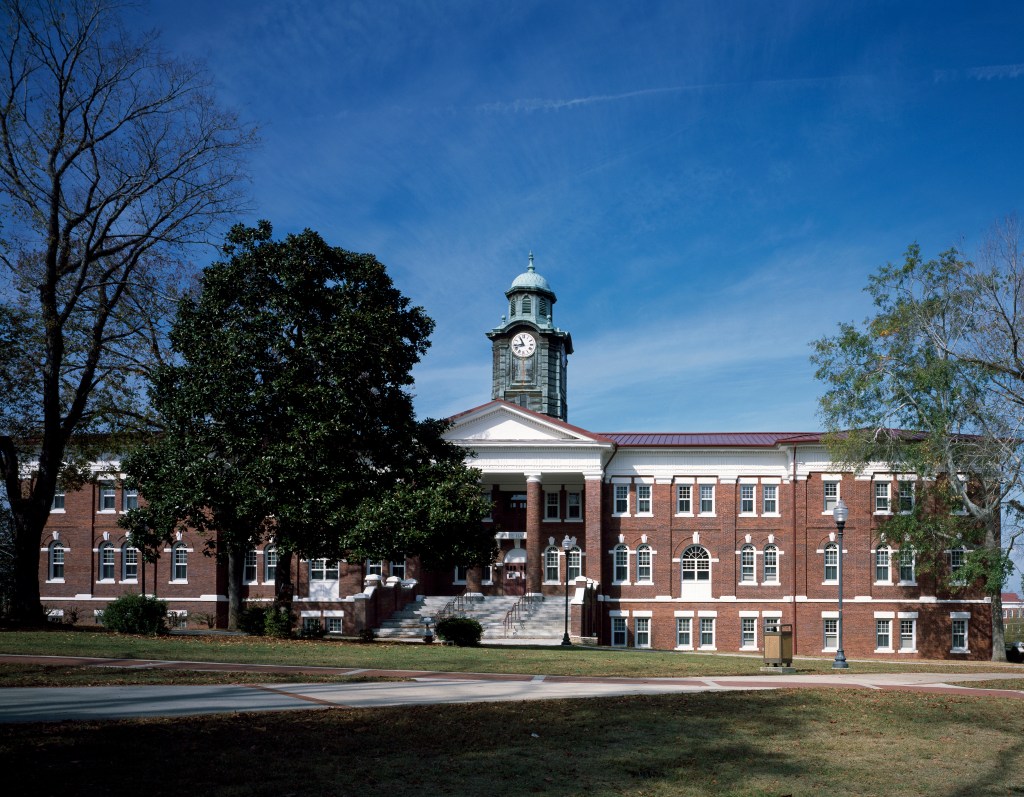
pixel 518 613
pixel 456 607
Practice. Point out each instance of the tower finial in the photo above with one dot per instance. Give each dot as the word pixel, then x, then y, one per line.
pixel 530 267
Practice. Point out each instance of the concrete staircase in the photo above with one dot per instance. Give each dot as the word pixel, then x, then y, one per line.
pixel 541 622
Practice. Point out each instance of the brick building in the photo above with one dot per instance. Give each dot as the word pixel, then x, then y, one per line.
pixel 675 541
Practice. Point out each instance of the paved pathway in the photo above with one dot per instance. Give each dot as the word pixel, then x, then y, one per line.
pixel 114 702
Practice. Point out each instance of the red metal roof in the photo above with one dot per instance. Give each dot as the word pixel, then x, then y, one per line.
pixel 715 439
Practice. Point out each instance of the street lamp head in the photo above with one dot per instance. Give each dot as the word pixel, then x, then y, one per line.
pixel 841 512
pixel 568 543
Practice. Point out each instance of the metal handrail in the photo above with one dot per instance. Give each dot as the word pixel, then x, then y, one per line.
pixel 456 607
pixel 514 616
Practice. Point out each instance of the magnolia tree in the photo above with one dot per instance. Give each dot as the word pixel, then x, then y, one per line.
pixel 933 383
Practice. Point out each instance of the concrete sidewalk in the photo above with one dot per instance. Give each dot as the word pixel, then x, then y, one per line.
pixel 118 702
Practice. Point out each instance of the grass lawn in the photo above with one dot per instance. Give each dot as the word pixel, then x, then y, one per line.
pixel 768 743
pixel 331 653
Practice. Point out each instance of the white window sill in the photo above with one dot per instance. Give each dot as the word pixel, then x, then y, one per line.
pixel 749 647
pixel 830 650
pixel 747 514
pixel 106 511
pixel 622 583
pixel 707 514
pixel 885 512
pixel 906 584
pixel 642 647
pixel 552 520
pixel 907 650
pixel 618 644
pixel 883 583
pixel 830 583
pixel 55 581
pixel 574 520
pixel 828 513
pixel 771 583
pixel 684 514
pixel 771 514
pixel 884 650
pixel 549 583
pixel 129 581
pixel 486 583
pixel 621 514
pixel 58 511
pixel 644 514
pixel 959 650
pixel 250 583
pixel 105 581
pixel 684 647
pixel 707 647
pixel 268 583
pixel 178 581
pixel 458 583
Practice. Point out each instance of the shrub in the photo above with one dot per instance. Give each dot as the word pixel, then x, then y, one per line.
pixel 462 631
pixel 367 635
pixel 253 620
pixel 136 614
pixel 277 623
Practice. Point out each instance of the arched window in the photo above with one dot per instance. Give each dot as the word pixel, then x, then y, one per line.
pixel 129 563
pixel 551 564
pixel 771 563
pixel 249 571
pixel 269 565
pixel 621 561
pixel 179 562
pixel 575 563
pixel 106 568
pixel 57 561
pixel 527 305
pixel 747 564
pixel 643 564
pixel 883 556
pixel 696 564
pixel 831 562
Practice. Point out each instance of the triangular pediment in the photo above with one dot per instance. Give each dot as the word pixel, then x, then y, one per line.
pixel 501 422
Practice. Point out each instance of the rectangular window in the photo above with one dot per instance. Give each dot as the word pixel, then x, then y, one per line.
pixel 906 496
pixel 883 634
pixel 461 572
pixel 107 562
pixel 322 570
pixel 643 499
pixel 907 574
pixel 908 635
pixel 551 565
pixel 375 568
pixel 956 562
pixel 748 632
pixel 574 506
pixel 618 632
pixel 58 501
pixel 746 499
pixel 269 565
pixel 831 635
pixel 249 572
pixel 770 499
pixel 621 499
pixel 684 632
pixel 684 499
pixel 108 496
pixel 551 506
pixel 707 632
pixel 311 625
pixel 129 499
pixel 882 496
pixel 130 563
pixel 642 632
pixel 334 625
pixel 771 624
pixel 707 499
pixel 831 490
pixel 959 635
pixel 398 569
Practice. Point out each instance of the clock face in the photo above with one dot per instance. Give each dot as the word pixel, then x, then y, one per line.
pixel 523 344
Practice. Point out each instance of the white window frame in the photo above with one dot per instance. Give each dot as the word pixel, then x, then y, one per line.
pixel 906 496
pixel 106 498
pixel 179 563
pixel 552 506
pixel 642 632
pixel 883 565
pixel 829 550
pixel 59 503
pixel 707 632
pixel 397 569
pixel 770 564
pixel 56 559
pixel 644 562
pixel 270 558
pixel 748 565
pixel 960 629
pixel 375 567
pixel 106 562
pixel 883 497
pixel 829 501
pixel 770 499
pixel 574 506
pixel 620 634
pixel 129 499
pixel 575 563
pixel 461 574
pixel 620 505
pixel 748 633
pixel 748 498
pixel 829 634
pixel 552 565
pixel 644 499
pixel 908 622
pixel 697 568
pixel 883 635
pixel 250 568
pixel 707 500
pixel 684 500
pixel 322 569
pixel 129 558
pixel 684 631
pixel 913 567
pixel 620 564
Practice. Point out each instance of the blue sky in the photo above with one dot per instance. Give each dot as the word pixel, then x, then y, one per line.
pixel 706 186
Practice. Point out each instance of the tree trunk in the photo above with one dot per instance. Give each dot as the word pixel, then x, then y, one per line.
pixel 998 632
pixel 284 587
pixel 26 608
pixel 236 567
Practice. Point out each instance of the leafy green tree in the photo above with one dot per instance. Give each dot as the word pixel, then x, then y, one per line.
pixel 289 416
pixel 914 366
pixel 114 158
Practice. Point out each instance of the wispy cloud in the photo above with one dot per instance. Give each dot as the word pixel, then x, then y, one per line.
pixel 997 72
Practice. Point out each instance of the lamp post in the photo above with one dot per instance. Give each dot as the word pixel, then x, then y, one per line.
pixel 840 513
pixel 568 544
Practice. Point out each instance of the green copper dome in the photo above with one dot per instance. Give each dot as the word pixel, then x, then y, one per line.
pixel 530 280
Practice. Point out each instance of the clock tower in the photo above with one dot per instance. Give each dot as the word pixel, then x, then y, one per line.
pixel 530 354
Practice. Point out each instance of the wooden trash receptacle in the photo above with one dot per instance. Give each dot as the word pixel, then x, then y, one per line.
pixel 778 645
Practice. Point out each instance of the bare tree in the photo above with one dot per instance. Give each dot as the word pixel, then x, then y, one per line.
pixel 114 158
